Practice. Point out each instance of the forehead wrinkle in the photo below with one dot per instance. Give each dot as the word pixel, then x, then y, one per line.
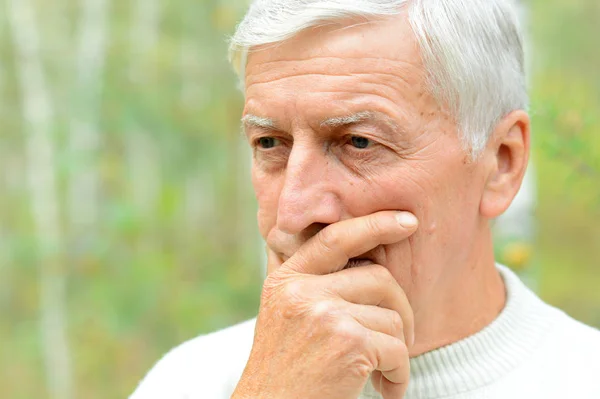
pixel 274 70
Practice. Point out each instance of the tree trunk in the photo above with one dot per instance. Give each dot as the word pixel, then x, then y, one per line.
pixel 199 190
pixel 38 115
pixel 142 154
pixel 84 139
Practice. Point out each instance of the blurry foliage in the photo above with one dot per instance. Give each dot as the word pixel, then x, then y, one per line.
pixel 153 276
pixel 566 150
pixel 149 277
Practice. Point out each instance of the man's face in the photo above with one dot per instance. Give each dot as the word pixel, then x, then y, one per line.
pixel 342 125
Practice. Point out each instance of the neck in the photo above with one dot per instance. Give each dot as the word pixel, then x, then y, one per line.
pixel 465 300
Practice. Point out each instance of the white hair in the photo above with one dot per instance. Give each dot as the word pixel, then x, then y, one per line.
pixel 472 50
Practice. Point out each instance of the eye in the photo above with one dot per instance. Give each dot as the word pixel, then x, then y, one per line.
pixel 266 143
pixel 360 142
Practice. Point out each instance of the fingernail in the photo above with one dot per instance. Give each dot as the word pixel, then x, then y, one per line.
pixel 406 219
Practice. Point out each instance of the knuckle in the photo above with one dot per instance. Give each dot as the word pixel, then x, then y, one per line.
pixel 399 349
pixel 361 368
pixel 293 305
pixel 373 226
pixel 324 311
pixel 381 273
pixel 328 240
pixel 271 286
pixel 291 292
pixel 297 263
pixel 396 349
pixel 396 325
pixel 350 343
pixel 352 336
pixel 284 295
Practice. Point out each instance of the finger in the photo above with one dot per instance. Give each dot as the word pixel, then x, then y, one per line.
pixel 273 260
pixel 373 285
pixel 392 360
pixel 376 380
pixel 378 319
pixel 329 250
pixel 392 391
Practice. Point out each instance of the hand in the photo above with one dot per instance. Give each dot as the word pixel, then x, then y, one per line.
pixel 322 330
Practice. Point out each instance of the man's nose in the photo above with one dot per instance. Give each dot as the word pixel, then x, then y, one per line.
pixel 308 196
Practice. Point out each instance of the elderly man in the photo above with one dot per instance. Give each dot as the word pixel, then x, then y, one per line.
pixel 386 135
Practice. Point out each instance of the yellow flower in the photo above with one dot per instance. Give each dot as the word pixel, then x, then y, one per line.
pixel 517 255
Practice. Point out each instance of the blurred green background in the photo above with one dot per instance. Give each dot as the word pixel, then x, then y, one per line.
pixel 127 216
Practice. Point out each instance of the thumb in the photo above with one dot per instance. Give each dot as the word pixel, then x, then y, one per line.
pixel 273 260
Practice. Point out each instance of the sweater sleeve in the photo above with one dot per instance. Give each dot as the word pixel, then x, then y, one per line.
pixel 206 367
pixel 166 379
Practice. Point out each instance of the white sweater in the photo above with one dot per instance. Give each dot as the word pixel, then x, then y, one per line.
pixel 531 350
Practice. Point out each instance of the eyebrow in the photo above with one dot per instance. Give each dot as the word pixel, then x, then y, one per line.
pixel 250 120
pixel 258 121
pixel 359 117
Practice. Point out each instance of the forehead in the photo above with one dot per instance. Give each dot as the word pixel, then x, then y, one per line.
pixel 339 70
pixel 349 46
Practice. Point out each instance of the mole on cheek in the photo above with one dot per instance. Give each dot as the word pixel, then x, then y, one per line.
pixel 431 228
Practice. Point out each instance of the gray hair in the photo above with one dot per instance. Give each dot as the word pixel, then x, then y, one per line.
pixel 472 50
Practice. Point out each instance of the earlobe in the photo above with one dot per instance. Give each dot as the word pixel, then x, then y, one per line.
pixel 508 153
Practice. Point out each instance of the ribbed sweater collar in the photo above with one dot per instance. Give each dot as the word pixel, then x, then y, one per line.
pixel 485 357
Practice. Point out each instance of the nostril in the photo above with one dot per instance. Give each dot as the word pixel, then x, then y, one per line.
pixel 308 214
pixel 315 228
pixel 312 231
pixel 358 262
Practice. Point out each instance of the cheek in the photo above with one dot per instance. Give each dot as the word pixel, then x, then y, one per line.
pixel 267 190
pixel 390 190
pixel 403 261
pixel 447 208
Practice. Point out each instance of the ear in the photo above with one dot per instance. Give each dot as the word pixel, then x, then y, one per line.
pixel 507 156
